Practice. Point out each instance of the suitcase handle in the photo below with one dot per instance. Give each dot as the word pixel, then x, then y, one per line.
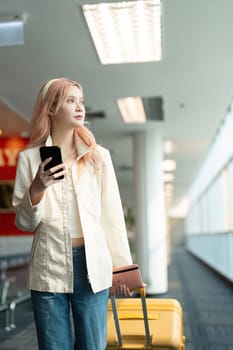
pixel 142 292
pixel 132 316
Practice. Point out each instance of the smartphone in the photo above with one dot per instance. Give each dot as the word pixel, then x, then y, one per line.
pixel 55 153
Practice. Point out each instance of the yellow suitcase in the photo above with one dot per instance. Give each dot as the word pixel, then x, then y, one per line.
pixel 145 323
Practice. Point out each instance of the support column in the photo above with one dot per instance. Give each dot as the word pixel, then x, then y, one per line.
pixel 151 245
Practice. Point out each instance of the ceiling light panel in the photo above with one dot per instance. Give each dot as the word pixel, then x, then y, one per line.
pixel 11 30
pixel 125 32
pixel 169 165
pixel 131 109
pixel 168 177
pixel 168 147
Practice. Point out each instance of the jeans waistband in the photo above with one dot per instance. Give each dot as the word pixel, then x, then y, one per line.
pixel 79 248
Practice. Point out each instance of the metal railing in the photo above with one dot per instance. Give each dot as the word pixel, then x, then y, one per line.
pixel 4 308
pixel 8 303
pixel 10 308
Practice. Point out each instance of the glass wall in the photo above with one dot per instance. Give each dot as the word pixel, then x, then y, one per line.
pixel 209 223
pixel 211 196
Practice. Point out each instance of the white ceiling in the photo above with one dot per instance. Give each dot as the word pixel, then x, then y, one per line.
pixel 195 77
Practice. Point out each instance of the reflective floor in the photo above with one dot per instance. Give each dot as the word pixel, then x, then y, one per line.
pixel 207 302
pixel 206 298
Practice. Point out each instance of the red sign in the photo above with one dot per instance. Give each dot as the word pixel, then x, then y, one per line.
pixel 9 150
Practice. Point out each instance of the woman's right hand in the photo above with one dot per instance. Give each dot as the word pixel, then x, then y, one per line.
pixel 120 289
pixel 44 179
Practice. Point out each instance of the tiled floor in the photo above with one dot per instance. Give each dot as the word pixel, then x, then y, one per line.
pixel 207 302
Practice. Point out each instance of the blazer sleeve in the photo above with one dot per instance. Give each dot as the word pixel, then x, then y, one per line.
pixel 28 216
pixel 113 221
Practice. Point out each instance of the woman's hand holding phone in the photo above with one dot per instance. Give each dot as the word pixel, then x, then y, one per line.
pixel 46 176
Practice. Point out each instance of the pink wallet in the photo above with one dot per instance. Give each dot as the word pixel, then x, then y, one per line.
pixel 129 275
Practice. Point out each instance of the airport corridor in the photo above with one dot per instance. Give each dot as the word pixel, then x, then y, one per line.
pixel 206 298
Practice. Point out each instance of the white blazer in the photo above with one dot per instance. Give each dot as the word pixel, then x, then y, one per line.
pixel 101 215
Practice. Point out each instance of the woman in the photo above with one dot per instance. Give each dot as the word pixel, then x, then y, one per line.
pixel 78 221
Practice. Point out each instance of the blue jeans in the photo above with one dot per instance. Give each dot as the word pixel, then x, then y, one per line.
pixel 89 311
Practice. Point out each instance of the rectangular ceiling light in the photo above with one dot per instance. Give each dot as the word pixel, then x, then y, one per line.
pixel 11 30
pixel 169 165
pixel 131 109
pixel 126 31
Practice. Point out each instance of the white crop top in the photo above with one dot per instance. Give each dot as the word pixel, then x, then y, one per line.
pixel 74 217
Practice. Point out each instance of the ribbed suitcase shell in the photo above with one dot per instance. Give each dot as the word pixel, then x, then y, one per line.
pixel 165 323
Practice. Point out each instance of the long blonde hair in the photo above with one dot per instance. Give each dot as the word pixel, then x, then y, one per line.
pixel 50 98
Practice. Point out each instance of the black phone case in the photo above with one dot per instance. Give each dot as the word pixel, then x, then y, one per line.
pixel 55 153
